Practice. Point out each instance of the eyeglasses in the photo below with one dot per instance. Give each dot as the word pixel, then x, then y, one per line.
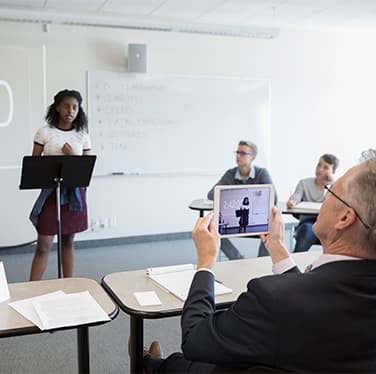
pixel 243 153
pixel 328 187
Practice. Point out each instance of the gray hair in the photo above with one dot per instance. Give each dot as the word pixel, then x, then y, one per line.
pixel 360 190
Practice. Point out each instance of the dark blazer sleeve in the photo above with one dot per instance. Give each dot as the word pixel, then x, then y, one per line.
pixel 242 335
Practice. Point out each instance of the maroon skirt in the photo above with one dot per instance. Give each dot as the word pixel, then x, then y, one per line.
pixel 72 221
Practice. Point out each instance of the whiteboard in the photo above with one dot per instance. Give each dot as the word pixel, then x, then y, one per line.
pixel 15 111
pixel 148 123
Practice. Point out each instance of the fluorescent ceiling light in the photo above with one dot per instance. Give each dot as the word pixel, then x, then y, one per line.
pixel 138 23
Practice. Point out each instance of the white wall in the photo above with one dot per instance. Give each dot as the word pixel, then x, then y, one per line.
pixel 322 101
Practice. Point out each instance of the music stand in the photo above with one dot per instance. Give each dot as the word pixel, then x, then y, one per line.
pixel 54 172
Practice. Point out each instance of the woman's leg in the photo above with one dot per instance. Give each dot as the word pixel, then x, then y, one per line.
pixel 67 250
pixel 38 266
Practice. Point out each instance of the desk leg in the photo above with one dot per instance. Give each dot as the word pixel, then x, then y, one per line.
pixel 201 213
pixel 137 344
pixel 83 349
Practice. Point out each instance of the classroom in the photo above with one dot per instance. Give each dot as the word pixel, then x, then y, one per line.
pixel 317 75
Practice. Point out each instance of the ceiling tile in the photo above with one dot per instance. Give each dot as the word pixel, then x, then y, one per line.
pixel 183 9
pixel 129 7
pixel 74 5
pixel 23 3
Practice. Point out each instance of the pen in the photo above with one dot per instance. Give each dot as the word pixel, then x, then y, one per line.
pixel 218 281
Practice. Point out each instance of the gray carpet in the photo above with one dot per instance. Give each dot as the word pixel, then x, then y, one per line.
pixel 56 352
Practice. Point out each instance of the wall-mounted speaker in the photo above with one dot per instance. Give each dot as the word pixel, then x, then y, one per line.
pixel 137 58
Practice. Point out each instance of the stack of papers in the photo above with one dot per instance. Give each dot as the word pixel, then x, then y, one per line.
pixel 57 310
pixel 177 280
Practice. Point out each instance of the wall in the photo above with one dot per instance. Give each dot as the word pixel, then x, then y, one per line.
pixel 322 94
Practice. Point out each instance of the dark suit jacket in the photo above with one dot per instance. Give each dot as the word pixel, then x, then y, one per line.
pixel 322 321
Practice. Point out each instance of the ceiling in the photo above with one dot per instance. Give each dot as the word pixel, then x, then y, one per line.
pixel 249 18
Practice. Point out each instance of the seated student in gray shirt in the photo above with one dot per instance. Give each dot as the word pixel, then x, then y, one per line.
pixel 313 190
pixel 244 173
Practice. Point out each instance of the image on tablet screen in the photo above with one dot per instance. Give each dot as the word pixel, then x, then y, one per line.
pixel 243 210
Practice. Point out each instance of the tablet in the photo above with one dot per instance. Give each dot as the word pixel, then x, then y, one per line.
pixel 243 210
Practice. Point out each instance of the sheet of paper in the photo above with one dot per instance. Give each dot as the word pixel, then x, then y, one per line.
pixel 178 283
pixel 25 307
pixel 309 205
pixel 147 298
pixel 71 310
pixel 4 290
pixel 169 269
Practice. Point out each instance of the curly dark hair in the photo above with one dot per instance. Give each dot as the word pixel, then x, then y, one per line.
pixel 52 116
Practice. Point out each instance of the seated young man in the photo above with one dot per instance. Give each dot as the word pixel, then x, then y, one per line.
pixel 313 190
pixel 244 173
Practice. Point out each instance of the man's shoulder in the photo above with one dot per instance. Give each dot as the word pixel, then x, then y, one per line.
pixel 230 172
pixel 260 170
pixel 308 180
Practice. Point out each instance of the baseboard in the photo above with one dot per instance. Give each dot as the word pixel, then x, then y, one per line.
pixel 132 240
pixel 126 240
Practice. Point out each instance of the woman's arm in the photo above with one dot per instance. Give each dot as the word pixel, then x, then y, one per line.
pixel 37 150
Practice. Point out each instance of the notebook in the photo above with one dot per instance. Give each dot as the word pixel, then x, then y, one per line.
pixel 177 280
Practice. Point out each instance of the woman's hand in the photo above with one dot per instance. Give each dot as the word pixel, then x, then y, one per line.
pixel 68 150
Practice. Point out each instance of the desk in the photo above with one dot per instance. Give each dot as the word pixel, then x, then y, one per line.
pixel 13 324
pixel 298 211
pixel 234 274
pixel 201 205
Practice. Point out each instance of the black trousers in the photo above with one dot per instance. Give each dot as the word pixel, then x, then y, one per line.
pixel 175 363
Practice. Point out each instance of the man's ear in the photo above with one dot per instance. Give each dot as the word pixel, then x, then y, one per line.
pixel 345 219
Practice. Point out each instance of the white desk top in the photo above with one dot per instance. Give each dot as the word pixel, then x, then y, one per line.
pixel 312 210
pixel 201 204
pixel 233 274
pixel 12 321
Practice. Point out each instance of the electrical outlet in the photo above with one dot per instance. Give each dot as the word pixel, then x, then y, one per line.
pixel 113 221
pixel 94 224
pixel 103 223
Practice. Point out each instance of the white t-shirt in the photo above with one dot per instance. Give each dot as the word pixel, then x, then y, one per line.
pixel 52 139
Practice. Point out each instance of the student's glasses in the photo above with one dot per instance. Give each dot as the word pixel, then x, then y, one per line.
pixel 328 187
pixel 243 153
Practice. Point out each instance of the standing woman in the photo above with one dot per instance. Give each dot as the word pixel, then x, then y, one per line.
pixel 66 133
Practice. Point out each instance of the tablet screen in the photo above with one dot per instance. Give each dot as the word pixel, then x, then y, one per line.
pixel 243 210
